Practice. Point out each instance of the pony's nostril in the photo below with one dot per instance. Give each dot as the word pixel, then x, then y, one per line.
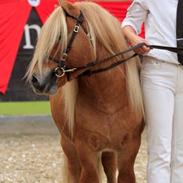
pixel 37 84
pixel 34 80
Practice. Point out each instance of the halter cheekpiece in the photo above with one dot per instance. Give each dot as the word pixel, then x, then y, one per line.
pixel 61 69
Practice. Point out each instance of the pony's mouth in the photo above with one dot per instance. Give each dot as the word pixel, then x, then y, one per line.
pixel 48 90
pixel 44 85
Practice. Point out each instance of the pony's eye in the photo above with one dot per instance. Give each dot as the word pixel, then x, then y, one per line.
pixel 53 59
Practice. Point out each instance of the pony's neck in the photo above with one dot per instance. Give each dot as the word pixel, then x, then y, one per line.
pixel 107 90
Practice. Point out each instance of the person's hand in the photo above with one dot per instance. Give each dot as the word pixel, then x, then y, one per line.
pixel 137 40
pixel 134 40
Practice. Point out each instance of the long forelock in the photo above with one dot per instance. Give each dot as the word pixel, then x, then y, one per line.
pixel 53 32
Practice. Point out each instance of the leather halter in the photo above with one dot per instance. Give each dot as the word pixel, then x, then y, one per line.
pixel 62 69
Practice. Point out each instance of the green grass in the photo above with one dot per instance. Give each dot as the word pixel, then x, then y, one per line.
pixel 24 108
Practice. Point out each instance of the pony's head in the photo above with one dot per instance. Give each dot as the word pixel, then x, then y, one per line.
pixel 63 43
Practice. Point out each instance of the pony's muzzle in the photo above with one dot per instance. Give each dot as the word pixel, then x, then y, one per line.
pixel 37 84
pixel 44 84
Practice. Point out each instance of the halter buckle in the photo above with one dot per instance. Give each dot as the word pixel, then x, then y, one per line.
pixel 76 29
pixel 59 72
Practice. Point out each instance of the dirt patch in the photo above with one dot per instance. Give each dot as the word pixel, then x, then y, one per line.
pixel 38 159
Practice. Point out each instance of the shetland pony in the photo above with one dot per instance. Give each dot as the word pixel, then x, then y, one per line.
pixel 99 117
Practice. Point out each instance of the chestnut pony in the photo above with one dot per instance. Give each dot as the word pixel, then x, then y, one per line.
pixel 99 117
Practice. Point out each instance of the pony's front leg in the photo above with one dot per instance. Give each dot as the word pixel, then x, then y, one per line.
pixel 109 163
pixel 73 169
pixel 126 160
pixel 89 163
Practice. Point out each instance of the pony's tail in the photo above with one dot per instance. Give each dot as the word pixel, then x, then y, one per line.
pixel 133 85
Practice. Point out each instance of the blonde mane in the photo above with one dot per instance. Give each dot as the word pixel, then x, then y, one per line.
pixel 104 28
pixel 53 32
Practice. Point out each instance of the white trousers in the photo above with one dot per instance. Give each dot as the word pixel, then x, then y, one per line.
pixel 162 85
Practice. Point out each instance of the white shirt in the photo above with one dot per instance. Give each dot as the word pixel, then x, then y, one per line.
pixel 159 17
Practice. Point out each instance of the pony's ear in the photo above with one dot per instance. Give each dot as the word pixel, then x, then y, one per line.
pixel 69 8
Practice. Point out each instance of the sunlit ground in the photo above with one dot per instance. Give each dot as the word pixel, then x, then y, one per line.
pixel 39 159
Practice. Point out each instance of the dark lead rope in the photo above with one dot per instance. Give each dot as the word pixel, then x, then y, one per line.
pixel 90 65
pixel 172 49
pixel 62 68
pixel 94 63
pixel 89 72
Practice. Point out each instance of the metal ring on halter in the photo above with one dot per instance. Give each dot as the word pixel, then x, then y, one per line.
pixel 76 29
pixel 59 72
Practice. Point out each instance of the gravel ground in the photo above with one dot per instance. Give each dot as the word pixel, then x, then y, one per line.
pixel 38 159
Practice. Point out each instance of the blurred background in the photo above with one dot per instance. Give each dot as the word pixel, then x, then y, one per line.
pixel 30 149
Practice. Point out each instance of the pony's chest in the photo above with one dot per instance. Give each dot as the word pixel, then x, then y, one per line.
pixel 105 132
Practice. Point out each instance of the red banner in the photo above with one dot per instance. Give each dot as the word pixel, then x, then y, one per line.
pixel 14 15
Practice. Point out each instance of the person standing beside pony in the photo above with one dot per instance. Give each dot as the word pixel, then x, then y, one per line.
pixel 162 84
